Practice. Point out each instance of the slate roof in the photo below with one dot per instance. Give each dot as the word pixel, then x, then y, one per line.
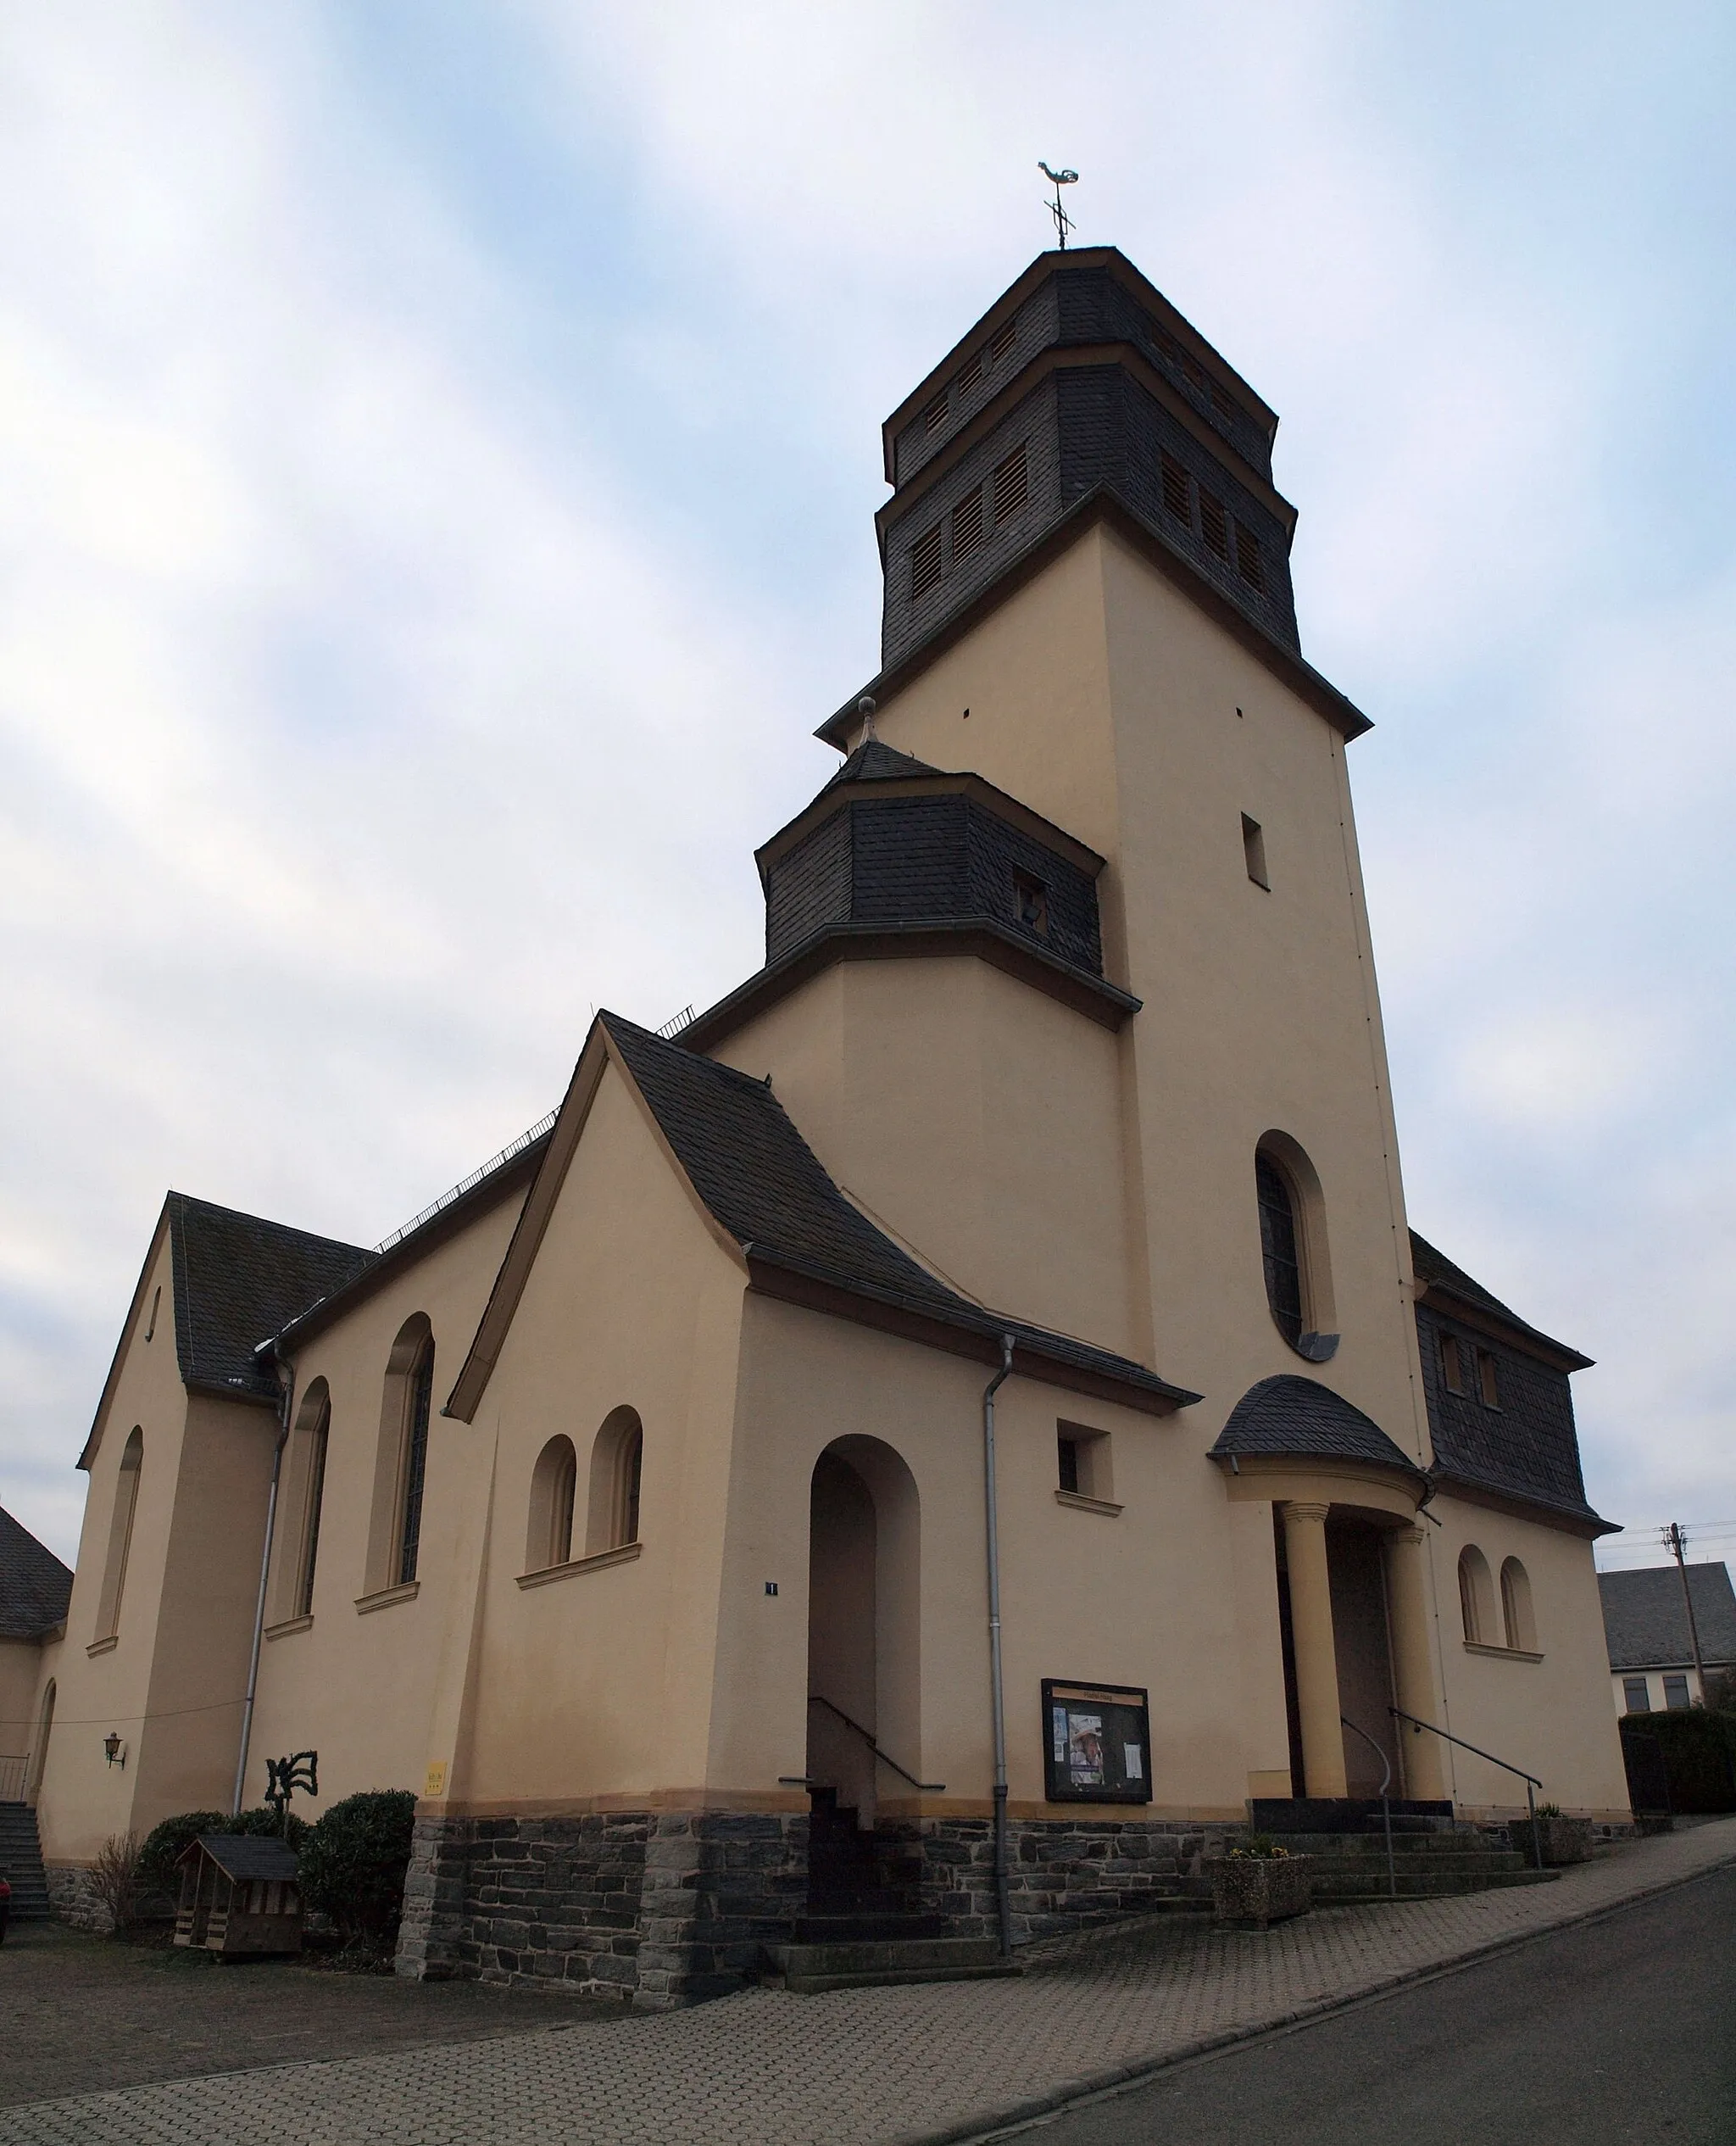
pixel 238 1278
pixel 875 762
pixel 764 1184
pixel 245 1855
pixel 35 1587
pixel 1646 1620
pixel 1436 1271
pixel 1295 1417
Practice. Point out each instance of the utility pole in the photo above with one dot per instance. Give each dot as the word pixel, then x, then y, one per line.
pixel 1675 1540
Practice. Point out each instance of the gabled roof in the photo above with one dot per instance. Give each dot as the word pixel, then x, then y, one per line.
pixel 1300 1418
pixel 238 1278
pixel 1645 1619
pixel 244 1856
pixel 1440 1277
pixel 35 1587
pixel 769 1198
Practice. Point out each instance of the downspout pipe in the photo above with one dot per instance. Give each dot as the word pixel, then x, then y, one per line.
pixel 285 1388
pixel 1003 1902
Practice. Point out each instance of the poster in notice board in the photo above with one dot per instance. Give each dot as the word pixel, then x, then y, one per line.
pixel 1096 1742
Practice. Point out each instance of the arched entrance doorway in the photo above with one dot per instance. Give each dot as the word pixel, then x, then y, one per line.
pixel 863 1627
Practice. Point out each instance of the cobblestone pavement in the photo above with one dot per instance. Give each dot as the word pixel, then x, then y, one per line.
pixel 863 2067
pixel 166 2014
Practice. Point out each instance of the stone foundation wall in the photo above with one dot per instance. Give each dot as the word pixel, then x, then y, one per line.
pixel 659 1909
pixel 1063 1873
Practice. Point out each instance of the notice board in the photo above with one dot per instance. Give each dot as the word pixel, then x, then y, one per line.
pixel 1096 1742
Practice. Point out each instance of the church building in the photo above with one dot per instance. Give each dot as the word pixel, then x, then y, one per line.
pixel 961 1424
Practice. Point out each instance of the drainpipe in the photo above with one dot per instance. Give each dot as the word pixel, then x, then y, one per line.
pixel 286 1385
pixel 1002 1900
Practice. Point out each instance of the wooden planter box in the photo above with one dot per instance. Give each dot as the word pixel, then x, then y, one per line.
pixel 1563 1840
pixel 1253 1891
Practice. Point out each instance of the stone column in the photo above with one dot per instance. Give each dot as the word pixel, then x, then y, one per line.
pixel 1407 1608
pixel 1316 1656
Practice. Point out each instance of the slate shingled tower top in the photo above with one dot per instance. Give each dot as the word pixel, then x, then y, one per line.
pixel 1082 389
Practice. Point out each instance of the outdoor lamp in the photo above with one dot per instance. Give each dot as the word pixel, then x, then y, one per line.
pixel 115 1749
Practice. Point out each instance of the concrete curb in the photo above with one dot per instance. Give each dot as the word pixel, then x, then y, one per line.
pixel 977 2130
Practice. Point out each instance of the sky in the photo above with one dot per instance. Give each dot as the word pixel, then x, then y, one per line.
pixel 438 448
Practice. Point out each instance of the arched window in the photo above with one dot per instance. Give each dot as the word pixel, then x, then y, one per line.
pixel 1293 1248
pixel 554 1484
pixel 415 1460
pixel 313 1435
pixel 400 1458
pixel 617 1464
pixel 1477 1605
pixel 126 1498
pixel 1515 1607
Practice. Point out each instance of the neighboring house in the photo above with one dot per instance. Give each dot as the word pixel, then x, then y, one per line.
pixel 631 1504
pixel 34 1587
pixel 1651 1648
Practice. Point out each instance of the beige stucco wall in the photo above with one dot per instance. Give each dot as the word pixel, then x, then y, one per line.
pixel 1551 1716
pixel 20 1678
pixel 596 1687
pixel 359 1688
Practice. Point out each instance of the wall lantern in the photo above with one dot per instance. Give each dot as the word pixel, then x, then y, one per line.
pixel 115 1748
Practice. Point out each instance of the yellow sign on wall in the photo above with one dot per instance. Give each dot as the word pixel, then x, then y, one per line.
pixel 435 1784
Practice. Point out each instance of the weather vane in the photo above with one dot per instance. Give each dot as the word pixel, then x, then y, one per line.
pixel 1063 221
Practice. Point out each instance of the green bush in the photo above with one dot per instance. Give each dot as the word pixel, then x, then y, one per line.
pixel 164 1843
pixel 1699 1755
pixel 354 1859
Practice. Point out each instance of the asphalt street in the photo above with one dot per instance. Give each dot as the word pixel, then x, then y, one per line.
pixel 1610 2033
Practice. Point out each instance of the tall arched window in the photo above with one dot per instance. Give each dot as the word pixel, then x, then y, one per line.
pixel 415 1461
pixel 617 1464
pixel 126 1498
pixel 1515 1607
pixel 1292 1247
pixel 400 1458
pixel 1476 1604
pixel 554 1484
pixel 318 1434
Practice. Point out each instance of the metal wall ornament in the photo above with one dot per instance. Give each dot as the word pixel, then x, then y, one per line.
pixel 283 1777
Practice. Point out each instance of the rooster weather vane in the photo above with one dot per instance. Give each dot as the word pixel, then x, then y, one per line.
pixel 1063 221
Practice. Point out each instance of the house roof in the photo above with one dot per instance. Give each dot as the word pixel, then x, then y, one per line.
pixel 238 1277
pixel 245 1855
pixel 875 761
pixel 35 1587
pixel 1645 1619
pixel 763 1184
pixel 1440 1277
pixel 1300 1419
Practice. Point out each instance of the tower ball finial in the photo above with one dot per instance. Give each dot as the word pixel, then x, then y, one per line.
pixel 864 709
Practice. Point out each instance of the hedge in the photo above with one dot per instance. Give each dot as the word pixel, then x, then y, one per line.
pixel 1699 1751
pixel 354 1860
pixel 164 1843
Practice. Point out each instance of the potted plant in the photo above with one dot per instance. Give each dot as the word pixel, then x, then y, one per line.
pixel 1259 1883
pixel 1558 1839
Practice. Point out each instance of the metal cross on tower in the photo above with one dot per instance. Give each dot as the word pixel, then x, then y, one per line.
pixel 1063 221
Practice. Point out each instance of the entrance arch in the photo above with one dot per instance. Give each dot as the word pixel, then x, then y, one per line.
pixel 864 1625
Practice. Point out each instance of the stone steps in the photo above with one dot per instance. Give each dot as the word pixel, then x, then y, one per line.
pixel 810 1969
pixel 21 1863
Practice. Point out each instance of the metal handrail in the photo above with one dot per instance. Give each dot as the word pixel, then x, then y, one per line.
pixel 1531 1780
pixel 929 1788
pixel 1385 1808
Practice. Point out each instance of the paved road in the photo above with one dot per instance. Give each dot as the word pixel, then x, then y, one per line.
pixel 1615 2032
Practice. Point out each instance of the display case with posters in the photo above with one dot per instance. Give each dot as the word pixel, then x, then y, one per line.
pixel 1096 1742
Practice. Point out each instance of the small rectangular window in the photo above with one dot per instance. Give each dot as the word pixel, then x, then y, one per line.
pixel 935 416
pixel 1083 1456
pixel 1012 486
pixel 1452 1364
pixel 1248 564
pixel 1031 903
pixel 1213 526
pixel 1175 496
pixel 1635 1697
pixel 967 526
pixel 925 561
pixel 1254 852
pixel 1000 344
pixel 969 374
pixel 1675 1694
pixel 1488 1382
